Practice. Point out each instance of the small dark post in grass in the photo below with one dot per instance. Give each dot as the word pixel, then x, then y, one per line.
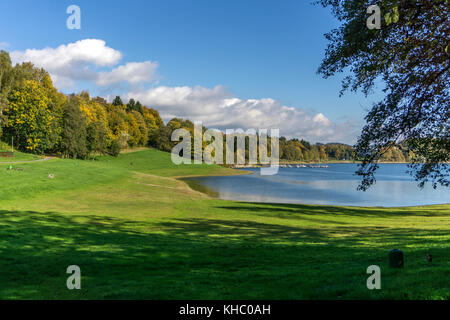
pixel 396 258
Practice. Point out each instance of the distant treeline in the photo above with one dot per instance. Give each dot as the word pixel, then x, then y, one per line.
pixel 301 150
pixel 40 119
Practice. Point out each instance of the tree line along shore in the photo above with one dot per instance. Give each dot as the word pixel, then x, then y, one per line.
pixel 36 118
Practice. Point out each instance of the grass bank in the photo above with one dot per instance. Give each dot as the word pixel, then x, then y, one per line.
pixel 18 156
pixel 137 232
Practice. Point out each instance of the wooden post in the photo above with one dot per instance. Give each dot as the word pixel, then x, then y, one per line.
pixel 396 259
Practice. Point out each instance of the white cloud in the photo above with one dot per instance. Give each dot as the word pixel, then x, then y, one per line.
pixel 91 60
pixel 4 45
pixel 217 108
pixel 84 51
pixel 133 72
pixel 80 61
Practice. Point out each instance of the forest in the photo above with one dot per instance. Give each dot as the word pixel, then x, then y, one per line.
pixel 37 118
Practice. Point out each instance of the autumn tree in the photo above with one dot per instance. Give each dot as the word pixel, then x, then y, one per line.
pixel 73 142
pixel 118 125
pixel 30 121
pixel 117 101
pixel 96 138
pixel 163 138
pixel 6 81
pixel 142 127
pixel 410 54
pixel 133 130
pixel 132 105
pixel 154 125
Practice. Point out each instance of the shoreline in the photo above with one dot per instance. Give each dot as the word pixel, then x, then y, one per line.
pixel 254 166
pixel 195 186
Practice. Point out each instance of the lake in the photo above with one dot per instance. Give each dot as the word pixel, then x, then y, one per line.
pixel 335 185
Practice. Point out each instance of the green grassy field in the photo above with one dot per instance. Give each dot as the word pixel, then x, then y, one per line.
pixel 18 156
pixel 138 233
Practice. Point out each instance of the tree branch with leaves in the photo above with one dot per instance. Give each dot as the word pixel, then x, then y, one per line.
pixel 411 56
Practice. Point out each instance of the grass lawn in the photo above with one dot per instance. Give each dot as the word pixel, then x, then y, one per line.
pixel 18 156
pixel 137 232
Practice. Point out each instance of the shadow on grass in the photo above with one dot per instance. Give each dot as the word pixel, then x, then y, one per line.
pixel 209 259
pixel 288 211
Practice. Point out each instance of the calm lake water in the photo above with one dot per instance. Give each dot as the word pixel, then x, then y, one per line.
pixel 335 185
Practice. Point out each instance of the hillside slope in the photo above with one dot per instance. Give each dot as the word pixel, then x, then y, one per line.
pixel 136 232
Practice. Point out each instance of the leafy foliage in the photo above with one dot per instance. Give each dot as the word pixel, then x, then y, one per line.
pixel 73 142
pixel 410 53
pixel 6 80
pixel 30 120
pixel 82 126
pixel 115 148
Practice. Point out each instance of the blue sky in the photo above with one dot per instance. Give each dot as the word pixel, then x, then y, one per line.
pixel 203 51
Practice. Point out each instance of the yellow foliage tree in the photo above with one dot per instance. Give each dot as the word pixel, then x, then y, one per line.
pixel 30 119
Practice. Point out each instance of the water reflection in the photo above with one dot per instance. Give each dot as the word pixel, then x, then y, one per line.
pixel 335 185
